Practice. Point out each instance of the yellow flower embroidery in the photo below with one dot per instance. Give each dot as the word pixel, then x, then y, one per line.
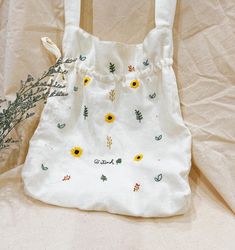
pixel 134 84
pixel 138 157
pixel 86 80
pixel 76 151
pixel 109 118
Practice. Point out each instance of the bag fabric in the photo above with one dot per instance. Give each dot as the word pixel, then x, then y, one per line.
pixel 116 141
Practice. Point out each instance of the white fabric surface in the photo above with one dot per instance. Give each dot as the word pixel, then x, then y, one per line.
pixel 28 224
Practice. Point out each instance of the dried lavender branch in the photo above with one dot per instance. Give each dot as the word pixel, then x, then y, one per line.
pixel 27 97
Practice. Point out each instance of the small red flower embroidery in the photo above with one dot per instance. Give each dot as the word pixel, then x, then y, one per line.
pixel 136 187
pixel 131 68
pixel 66 178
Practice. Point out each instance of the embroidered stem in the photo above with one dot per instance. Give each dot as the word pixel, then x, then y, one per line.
pixel 85 112
pixel 139 116
pixel 112 67
pixel 136 187
pixel 109 141
pixel 112 95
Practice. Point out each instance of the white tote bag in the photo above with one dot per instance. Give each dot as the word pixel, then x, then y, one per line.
pixel 116 141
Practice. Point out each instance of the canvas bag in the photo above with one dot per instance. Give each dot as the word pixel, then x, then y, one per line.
pixel 117 141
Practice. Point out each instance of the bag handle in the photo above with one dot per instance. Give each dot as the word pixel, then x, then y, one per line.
pixel 165 12
pixel 72 12
pixel 51 46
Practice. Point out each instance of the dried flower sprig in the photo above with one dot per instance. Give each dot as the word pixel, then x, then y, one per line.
pixel 31 92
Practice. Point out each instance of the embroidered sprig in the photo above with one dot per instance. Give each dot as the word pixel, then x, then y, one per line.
pixel 136 187
pixel 85 112
pixel 112 95
pixel 138 114
pixel 112 67
pixel 109 141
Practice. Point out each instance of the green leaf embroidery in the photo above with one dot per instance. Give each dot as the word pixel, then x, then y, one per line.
pixel 146 62
pixel 61 125
pixel 103 178
pixel 139 116
pixel 44 168
pixel 118 161
pixel 82 58
pixel 152 96
pixel 158 138
pixel 85 112
pixel 158 178
pixel 131 68
pixel 111 67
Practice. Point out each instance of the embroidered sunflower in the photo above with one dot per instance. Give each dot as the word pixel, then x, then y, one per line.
pixel 134 84
pixel 109 118
pixel 86 80
pixel 76 151
pixel 138 157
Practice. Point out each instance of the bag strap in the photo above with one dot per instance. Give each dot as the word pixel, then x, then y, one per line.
pixel 72 12
pixel 51 46
pixel 165 13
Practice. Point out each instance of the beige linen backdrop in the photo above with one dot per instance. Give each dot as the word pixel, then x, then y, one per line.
pixel 204 62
